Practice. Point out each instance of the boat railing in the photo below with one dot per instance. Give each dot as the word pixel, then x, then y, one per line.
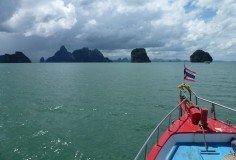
pixel 217 111
pixel 177 112
pixel 174 114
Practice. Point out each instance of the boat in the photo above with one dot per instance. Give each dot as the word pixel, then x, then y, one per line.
pixel 193 130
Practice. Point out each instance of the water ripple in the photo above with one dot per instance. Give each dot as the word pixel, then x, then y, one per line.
pixel 40 133
pixel 55 108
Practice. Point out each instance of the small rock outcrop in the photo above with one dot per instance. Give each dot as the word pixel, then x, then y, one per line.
pixel 17 57
pixel 87 55
pixel 61 56
pixel 42 60
pixel 201 56
pixel 121 60
pixel 139 55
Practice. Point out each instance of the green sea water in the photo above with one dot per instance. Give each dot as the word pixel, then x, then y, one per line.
pixel 96 111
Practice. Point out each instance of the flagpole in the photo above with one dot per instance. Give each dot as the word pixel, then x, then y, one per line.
pixel 184 73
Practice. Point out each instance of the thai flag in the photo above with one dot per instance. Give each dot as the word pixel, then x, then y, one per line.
pixel 189 74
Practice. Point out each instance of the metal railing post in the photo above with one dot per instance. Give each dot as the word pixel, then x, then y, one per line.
pixel 213 110
pixel 169 121
pixel 145 153
pixel 180 112
pixel 158 132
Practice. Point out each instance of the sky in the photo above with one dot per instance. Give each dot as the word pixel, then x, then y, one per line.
pixel 168 29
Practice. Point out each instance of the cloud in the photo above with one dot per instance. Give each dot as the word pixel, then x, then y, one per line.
pixel 172 28
pixel 42 18
pixel 127 25
pixel 216 35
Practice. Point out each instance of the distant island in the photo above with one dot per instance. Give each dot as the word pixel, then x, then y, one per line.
pixel 168 60
pixel 87 55
pixel 42 60
pixel 121 60
pixel 201 56
pixel 139 55
pixel 79 55
pixel 62 55
pixel 17 57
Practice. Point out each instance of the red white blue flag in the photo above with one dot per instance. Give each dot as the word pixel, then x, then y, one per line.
pixel 189 74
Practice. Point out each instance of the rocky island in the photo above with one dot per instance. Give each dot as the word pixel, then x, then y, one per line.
pixel 79 55
pixel 87 55
pixel 62 55
pixel 42 60
pixel 201 56
pixel 139 55
pixel 17 57
pixel 121 60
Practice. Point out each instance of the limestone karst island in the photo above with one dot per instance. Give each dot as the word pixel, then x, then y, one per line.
pixel 137 55
pixel 201 56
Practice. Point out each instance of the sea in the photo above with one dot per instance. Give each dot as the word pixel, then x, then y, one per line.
pixel 96 111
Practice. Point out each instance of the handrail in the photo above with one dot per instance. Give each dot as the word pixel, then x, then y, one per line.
pixel 220 105
pixel 144 147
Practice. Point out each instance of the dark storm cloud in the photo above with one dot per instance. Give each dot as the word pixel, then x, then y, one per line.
pixel 7 9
